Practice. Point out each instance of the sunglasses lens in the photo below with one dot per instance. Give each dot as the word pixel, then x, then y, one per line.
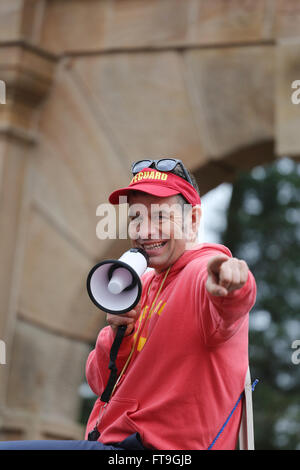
pixel 166 164
pixel 138 166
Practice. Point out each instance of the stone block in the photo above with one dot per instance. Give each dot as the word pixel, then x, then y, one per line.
pixel 53 282
pixel 287 19
pixel 144 102
pixel 21 20
pixel 10 20
pixel 220 22
pixel 77 164
pixel 50 367
pixel 28 77
pixel 13 177
pixel 46 370
pixel 132 24
pixel 233 91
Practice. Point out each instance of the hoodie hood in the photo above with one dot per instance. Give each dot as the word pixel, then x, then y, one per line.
pixel 186 257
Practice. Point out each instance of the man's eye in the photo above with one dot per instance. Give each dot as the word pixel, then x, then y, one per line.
pixel 160 219
pixel 136 219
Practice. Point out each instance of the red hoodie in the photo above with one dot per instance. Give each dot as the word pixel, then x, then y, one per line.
pixel 189 362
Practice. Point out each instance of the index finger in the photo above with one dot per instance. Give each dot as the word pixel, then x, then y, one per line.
pixel 215 263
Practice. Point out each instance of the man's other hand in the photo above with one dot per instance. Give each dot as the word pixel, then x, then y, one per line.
pixel 128 319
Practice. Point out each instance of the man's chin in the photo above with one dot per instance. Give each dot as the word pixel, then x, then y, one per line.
pixel 158 263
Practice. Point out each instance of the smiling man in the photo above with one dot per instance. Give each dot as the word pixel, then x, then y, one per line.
pixel 183 361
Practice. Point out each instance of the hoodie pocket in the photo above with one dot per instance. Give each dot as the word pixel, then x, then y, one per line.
pixel 117 423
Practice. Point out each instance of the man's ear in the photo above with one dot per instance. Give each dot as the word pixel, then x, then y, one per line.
pixel 192 223
pixel 195 215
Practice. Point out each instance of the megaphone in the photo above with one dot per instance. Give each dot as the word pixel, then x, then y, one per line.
pixel 115 285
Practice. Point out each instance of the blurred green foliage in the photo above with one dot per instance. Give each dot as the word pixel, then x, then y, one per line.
pixel 263 228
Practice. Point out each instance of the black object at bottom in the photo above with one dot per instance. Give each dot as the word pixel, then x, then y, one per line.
pixel 94 434
pixel 132 442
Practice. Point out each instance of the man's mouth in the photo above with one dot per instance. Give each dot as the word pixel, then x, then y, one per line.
pixel 153 247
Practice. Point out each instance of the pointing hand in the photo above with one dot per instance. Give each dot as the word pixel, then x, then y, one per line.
pixel 225 274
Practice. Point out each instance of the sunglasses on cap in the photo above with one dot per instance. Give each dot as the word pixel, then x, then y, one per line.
pixel 164 164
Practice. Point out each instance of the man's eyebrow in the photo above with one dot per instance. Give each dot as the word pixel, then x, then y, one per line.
pixel 133 212
pixel 160 211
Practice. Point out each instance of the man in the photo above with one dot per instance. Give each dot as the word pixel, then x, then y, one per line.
pixel 183 361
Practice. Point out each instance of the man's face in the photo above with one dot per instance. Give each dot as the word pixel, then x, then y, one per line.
pixel 156 226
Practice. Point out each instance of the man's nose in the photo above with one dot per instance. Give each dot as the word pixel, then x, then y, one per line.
pixel 148 230
pixel 144 229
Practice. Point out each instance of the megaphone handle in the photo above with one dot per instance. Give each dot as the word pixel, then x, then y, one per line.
pixel 112 363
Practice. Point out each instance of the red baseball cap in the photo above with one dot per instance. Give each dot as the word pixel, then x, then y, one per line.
pixel 160 184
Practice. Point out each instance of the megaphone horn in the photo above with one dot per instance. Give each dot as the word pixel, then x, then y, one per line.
pixel 115 285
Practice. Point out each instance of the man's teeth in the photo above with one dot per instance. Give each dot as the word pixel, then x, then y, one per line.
pixel 154 245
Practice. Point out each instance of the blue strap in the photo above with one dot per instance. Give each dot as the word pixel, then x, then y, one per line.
pixel 229 416
pixel 254 384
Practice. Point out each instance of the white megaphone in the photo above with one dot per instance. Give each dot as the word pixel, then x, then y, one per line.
pixel 115 285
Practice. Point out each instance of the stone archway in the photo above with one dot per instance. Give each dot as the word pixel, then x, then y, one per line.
pixel 92 86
